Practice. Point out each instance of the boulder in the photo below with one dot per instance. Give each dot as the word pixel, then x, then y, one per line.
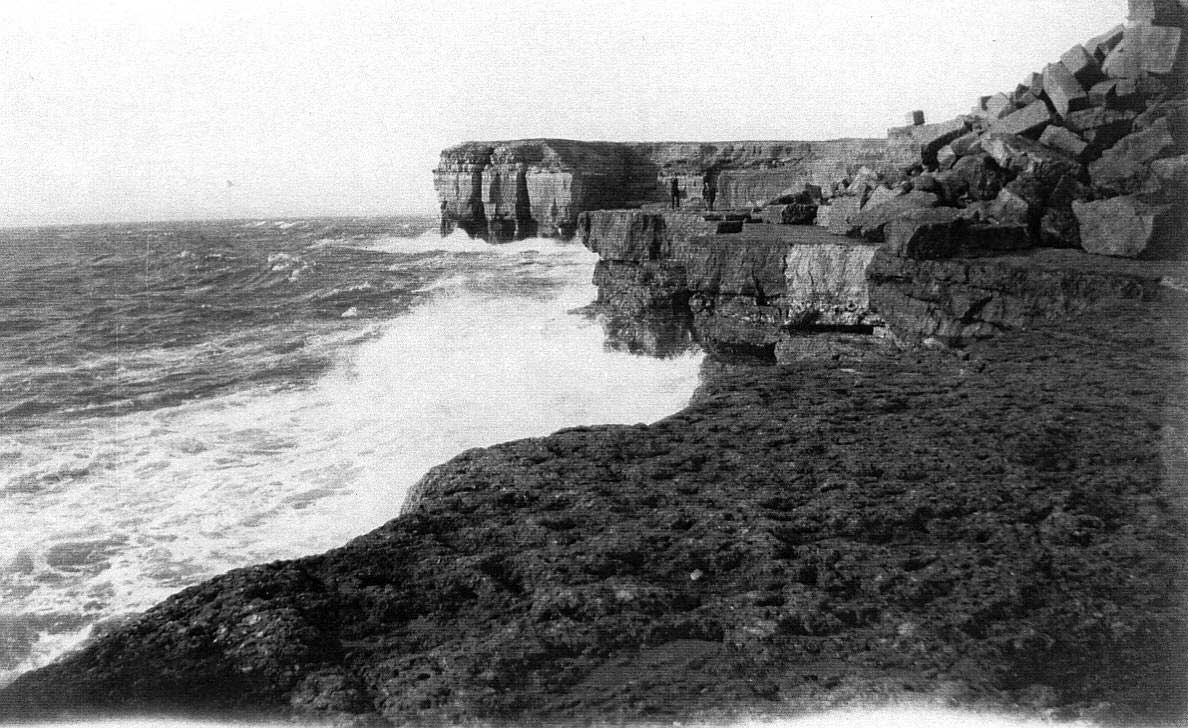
pixel 1129 227
pixel 842 211
pixel 965 144
pixel 1064 140
pixel 1030 119
pixel 1157 12
pixel 1084 67
pixel 1158 46
pixel 1124 60
pixel 824 215
pixel 878 196
pixel 1100 126
pixel 1027 156
pixel 1009 208
pixel 1064 90
pixel 1175 112
pixel 925 140
pixel 998 106
pixel 1101 45
pixel 976 176
pixel 1123 167
pixel 945 157
pixel 1034 83
pixel 870 222
pixel 1168 179
pixel 799 214
pixel 942 233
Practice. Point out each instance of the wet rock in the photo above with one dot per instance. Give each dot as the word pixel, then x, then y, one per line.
pixel 1130 227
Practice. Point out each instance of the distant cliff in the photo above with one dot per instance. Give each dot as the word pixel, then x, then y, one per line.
pixel 529 187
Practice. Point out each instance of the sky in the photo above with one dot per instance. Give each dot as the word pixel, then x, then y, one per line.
pixel 128 111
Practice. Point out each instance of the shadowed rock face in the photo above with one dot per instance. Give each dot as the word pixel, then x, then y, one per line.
pixel 979 532
pixel 505 190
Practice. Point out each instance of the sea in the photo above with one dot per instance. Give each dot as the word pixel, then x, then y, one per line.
pixel 178 399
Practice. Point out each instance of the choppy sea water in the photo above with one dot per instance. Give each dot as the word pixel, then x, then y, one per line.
pixel 180 399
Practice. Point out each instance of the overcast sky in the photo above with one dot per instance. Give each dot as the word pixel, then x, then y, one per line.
pixel 140 111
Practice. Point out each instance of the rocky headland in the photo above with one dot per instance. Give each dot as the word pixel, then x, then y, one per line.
pixel 938 455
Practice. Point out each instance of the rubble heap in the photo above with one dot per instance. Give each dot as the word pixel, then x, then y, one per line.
pixel 1087 153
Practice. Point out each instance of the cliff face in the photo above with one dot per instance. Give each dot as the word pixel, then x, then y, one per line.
pixel 506 190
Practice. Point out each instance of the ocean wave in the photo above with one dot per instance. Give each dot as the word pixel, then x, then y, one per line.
pixel 258 472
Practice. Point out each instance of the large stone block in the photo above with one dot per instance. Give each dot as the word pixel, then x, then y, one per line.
pixel 1123 167
pixel 998 106
pixel 842 211
pixel 1123 61
pixel 1158 46
pixel 1064 140
pixel 1156 12
pixel 1100 126
pixel 1101 45
pixel 1028 120
pixel 1064 90
pixel 1082 65
pixel 1130 227
pixel 870 222
pixel 922 142
pixel 1028 157
pixel 976 176
pixel 827 284
pixel 943 233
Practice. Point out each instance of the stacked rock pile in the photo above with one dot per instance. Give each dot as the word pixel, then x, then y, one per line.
pixel 1088 153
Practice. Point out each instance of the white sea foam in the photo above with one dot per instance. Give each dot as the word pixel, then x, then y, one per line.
pixel 110 515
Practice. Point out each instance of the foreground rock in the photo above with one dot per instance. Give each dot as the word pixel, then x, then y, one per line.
pixel 979 532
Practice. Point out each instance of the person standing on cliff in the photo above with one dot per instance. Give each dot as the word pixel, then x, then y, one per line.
pixel 676 194
pixel 709 189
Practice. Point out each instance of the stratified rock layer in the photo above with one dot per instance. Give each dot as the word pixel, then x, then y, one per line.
pixel 1002 532
pixel 504 190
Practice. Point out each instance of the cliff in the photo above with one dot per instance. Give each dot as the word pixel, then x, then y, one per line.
pixel 517 189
